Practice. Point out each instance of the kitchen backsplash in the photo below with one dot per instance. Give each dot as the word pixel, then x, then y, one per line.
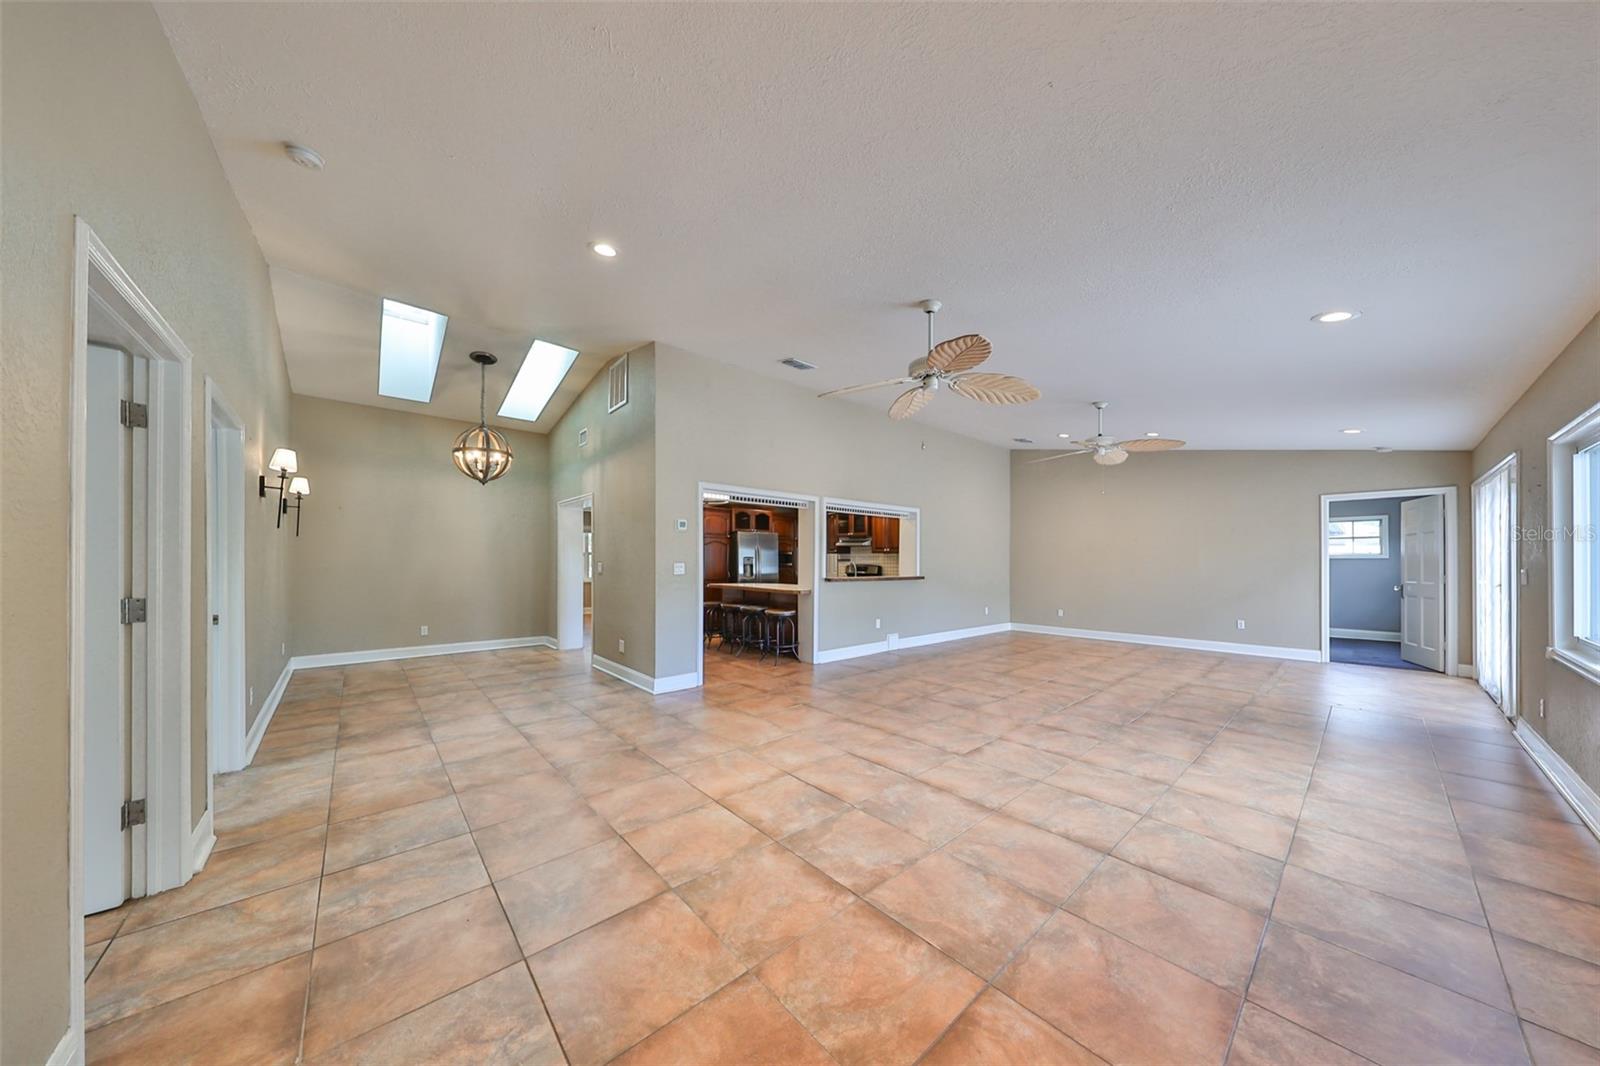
pixel 890 563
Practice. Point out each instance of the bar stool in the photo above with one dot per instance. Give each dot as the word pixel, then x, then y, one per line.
pixel 776 619
pixel 752 623
pixel 711 619
pixel 729 622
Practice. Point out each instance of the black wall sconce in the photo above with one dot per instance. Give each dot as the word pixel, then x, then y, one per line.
pixel 299 489
pixel 284 462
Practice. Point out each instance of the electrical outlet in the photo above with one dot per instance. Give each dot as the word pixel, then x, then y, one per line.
pixel 1241 623
pixel 424 631
pixel 252 695
pixel 1061 612
pixel 599 567
pixel 622 645
pixel 283 649
pixel 986 611
pixel 877 623
pixel 678 569
pixel 1541 706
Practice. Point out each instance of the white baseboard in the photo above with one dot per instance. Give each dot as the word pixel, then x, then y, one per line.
pixel 675 683
pixel 415 651
pixel 69 1049
pixel 252 740
pixel 1387 635
pixel 1466 670
pixel 895 642
pixel 656 686
pixel 201 841
pixel 1225 647
pixel 1574 788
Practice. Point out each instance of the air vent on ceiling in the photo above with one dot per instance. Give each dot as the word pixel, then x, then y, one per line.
pixel 617 381
pixel 583 436
pixel 798 364
pixel 1023 440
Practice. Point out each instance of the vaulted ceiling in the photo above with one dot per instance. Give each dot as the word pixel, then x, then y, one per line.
pixel 1141 203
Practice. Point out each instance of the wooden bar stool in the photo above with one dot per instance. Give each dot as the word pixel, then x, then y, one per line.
pixel 776 621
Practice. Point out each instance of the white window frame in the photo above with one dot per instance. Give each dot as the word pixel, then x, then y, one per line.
pixel 1568 600
pixel 1383 535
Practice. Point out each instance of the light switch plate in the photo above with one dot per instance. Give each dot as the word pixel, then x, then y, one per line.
pixel 679 569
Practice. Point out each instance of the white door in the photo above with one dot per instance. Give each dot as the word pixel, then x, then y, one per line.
pixel 225 592
pixel 1422 581
pixel 113 472
pixel 1494 584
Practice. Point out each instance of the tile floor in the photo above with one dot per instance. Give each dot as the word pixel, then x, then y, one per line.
pixel 1014 849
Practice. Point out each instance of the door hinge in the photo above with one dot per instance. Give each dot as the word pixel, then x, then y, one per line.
pixel 133 610
pixel 135 415
pixel 132 813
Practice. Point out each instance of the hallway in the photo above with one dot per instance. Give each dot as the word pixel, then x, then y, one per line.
pixel 1060 850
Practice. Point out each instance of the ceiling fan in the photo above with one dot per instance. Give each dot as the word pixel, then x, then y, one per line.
pixel 1108 451
pixel 944 364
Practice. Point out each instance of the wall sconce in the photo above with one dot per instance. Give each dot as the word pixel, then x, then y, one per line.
pixel 299 488
pixel 283 463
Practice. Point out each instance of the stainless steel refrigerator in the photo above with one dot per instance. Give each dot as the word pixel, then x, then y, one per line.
pixel 755 556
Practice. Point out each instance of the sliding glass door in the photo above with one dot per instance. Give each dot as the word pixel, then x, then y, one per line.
pixel 1494 562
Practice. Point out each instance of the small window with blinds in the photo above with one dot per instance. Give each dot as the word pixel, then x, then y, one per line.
pixel 617 385
pixel 869 542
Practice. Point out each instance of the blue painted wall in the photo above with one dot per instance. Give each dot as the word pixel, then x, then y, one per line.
pixel 1361 592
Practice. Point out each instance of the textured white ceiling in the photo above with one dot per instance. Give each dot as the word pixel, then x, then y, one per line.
pixel 1143 203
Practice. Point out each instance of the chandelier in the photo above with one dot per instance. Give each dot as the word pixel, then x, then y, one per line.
pixel 482 453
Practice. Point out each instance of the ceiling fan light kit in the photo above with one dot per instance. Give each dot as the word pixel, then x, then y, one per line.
pixel 1107 450
pixel 949 363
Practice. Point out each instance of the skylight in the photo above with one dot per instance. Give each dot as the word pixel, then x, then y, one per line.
pixel 408 351
pixel 537 378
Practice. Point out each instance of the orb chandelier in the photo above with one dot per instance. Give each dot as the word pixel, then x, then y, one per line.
pixel 482 453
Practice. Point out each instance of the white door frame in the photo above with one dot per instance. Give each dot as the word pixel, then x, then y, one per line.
pixel 225 688
pixel 162 771
pixel 569 570
pixel 1512 577
pixel 1452 539
pixel 698 619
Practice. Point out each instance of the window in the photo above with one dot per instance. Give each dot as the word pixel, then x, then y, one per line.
pixel 1359 537
pixel 409 340
pixel 541 373
pixel 1573 537
pixel 617 384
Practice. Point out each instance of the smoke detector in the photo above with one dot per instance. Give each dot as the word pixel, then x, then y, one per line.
pixel 302 156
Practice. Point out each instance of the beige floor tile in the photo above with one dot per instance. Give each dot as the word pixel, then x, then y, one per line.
pixel 996 1029
pixel 253 1018
pixel 856 849
pixel 848 777
pixel 1049 866
pixel 1375 1010
pixel 687 845
pixel 1552 990
pixel 1125 790
pixel 867 989
pixel 1088 821
pixel 645 802
pixel 234 875
pixel 514 797
pixel 1264 1039
pixel 563 896
pixel 513 846
pixel 1207 936
pixel 376 976
pixel 1257 831
pixel 975 918
pixel 783 806
pixel 1125 1004
pixel 977 781
pixel 613 984
pixel 1553 1049
pixel 1447 889
pixel 723 775
pixel 1556 922
pixel 762 899
pixel 390 832
pixel 364 896
pixel 740 1025
pixel 144 969
pixel 1241 877
pixel 927 813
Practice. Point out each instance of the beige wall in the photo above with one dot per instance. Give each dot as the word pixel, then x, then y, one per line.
pixel 394 537
pixel 728 426
pixel 99 122
pixel 1570 386
pixel 1185 543
pixel 618 466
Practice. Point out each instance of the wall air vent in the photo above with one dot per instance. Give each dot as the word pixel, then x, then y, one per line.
pixel 798 364
pixel 583 437
pixel 617 381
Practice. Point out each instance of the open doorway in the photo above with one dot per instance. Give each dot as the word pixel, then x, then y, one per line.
pixel 1388 564
pixel 131 831
pixel 1495 583
pixel 575 573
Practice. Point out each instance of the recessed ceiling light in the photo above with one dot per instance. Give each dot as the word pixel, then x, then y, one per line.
pixel 1064 436
pixel 1330 318
pixel 604 250
pixel 1351 432
pixel 408 351
pixel 537 378
pixel 309 158
pixel 1152 434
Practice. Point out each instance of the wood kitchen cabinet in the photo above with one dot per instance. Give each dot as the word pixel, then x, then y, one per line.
pixel 885 535
pixel 718 523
